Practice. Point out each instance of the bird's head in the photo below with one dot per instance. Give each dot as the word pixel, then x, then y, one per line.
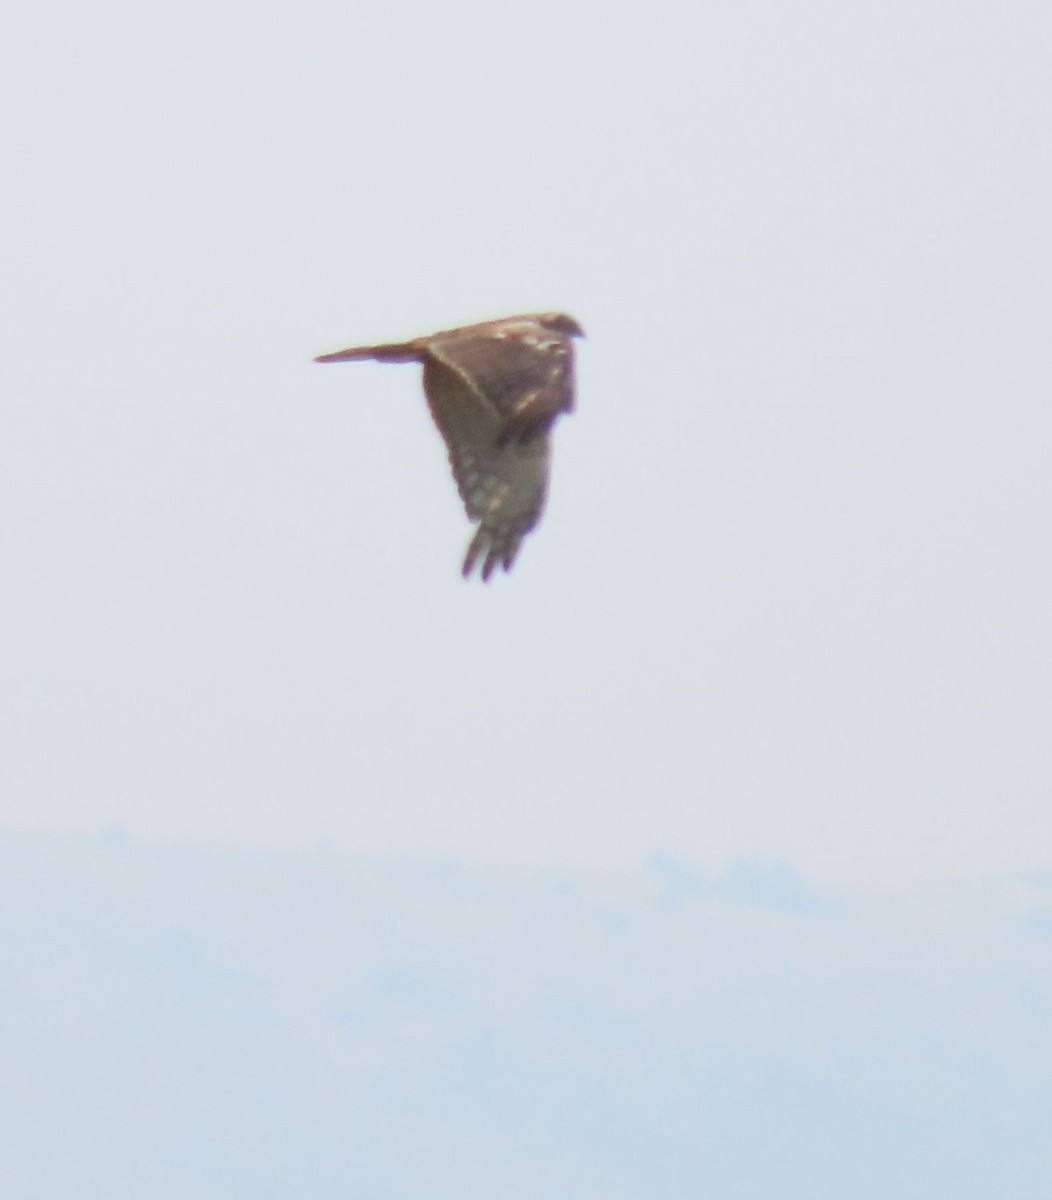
pixel 561 323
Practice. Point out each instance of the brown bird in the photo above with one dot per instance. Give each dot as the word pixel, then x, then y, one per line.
pixel 495 391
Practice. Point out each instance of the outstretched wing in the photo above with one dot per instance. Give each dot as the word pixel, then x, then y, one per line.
pixel 523 368
pixel 503 486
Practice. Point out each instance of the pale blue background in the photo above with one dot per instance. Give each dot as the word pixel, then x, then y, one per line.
pixel 788 607
pixel 227 1024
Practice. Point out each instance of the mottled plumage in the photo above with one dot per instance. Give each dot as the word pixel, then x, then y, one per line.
pixel 494 390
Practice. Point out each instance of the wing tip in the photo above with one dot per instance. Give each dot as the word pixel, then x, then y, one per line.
pixel 492 553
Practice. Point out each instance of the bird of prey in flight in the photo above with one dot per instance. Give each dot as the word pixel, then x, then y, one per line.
pixel 495 391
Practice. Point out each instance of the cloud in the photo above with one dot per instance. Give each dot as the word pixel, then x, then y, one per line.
pixel 240 1023
pixel 751 882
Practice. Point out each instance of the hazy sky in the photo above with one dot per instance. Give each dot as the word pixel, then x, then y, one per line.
pixel 181 1024
pixel 791 594
pixel 711 848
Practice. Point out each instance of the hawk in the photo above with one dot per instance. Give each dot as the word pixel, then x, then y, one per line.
pixel 495 391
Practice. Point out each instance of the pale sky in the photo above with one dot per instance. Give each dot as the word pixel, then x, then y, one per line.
pixel 790 597
pixel 707 853
pixel 220 1024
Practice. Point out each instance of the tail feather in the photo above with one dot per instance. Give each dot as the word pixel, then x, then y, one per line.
pixel 394 352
